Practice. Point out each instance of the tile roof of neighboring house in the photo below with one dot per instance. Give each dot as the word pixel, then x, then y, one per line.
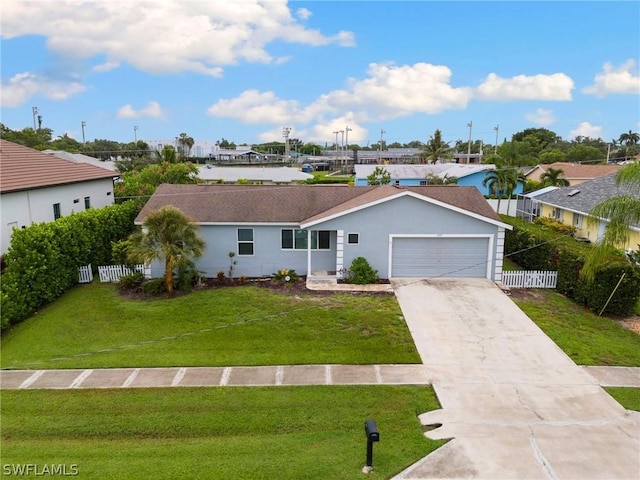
pixel 583 197
pixel 23 168
pixel 296 203
pixel 81 158
pixel 423 170
pixel 580 171
pixel 266 174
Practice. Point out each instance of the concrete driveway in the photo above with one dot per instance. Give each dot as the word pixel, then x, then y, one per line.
pixel 514 404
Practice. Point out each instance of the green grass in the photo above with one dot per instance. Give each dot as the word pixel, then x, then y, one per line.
pixel 587 338
pixel 629 398
pixel 510 265
pixel 219 433
pixel 91 326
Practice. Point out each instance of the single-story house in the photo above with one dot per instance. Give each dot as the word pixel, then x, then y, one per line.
pixel 574 173
pixel 37 187
pixel 318 230
pixel 81 158
pixel 417 175
pixel 258 175
pixel 528 208
pixel 571 205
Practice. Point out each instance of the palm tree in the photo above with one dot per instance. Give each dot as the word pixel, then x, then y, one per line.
pixel 552 178
pixel 379 176
pixel 437 148
pixel 629 138
pixel 186 143
pixel 621 211
pixel 434 179
pixel 503 182
pixel 166 234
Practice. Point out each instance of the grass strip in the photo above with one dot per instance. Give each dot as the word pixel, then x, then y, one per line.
pixel 230 433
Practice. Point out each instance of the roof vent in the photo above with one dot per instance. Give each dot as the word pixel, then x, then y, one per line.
pixel 573 192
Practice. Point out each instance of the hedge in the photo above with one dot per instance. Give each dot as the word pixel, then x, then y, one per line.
pixel 548 247
pixel 43 259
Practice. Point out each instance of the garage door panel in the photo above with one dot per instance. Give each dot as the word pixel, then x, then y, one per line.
pixel 443 256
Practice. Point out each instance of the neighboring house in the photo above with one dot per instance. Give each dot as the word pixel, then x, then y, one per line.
pixel 81 158
pixel 528 207
pixel 416 175
pixel 37 187
pixel 574 173
pixel 571 205
pixel 318 230
pixel 259 175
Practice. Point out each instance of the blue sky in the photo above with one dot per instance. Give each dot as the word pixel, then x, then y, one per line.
pixel 245 69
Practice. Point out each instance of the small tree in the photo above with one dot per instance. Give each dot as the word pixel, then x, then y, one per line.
pixel 361 273
pixel 166 234
pixel 379 176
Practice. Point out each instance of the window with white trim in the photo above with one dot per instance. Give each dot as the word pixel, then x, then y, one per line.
pixel 353 238
pixel 297 239
pixel 245 241
pixel 56 211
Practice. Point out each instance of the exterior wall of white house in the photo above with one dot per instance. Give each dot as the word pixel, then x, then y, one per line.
pixel 23 208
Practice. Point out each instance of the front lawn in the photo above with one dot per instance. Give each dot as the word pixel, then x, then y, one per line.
pixel 219 433
pixel 587 338
pixel 628 397
pixel 91 326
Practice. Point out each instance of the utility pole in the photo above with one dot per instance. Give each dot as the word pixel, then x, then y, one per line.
pixel 382 132
pixel 336 133
pixel 495 148
pixel 342 147
pixel 135 134
pixel 34 110
pixel 84 124
pixel 285 134
pixel 470 125
pixel 347 130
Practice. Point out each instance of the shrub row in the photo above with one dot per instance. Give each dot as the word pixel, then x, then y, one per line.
pixel 43 259
pixel 548 246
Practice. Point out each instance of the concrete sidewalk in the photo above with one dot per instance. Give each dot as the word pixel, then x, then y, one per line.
pixel 216 376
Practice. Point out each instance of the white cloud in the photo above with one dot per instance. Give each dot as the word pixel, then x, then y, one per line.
pixel 542 117
pixel 615 80
pixel 585 129
pixel 303 13
pixel 389 92
pixel 555 87
pixel 164 37
pixel 153 109
pixel 105 67
pixel 23 86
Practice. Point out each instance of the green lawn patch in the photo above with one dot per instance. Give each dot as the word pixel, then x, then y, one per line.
pixel 510 265
pixel 230 433
pixel 628 397
pixel 587 338
pixel 91 326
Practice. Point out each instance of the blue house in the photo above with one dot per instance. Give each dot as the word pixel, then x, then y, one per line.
pixel 471 175
pixel 318 230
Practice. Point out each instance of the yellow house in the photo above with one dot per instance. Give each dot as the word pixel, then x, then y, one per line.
pixel 571 206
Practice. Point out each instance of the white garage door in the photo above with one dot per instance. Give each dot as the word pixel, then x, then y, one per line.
pixel 437 257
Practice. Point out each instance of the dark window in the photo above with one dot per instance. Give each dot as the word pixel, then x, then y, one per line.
pixel 76 200
pixel 320 239
pixel 87 203
pixel 353 238
pixel 56 211
pixel 245 241
pixel 297 239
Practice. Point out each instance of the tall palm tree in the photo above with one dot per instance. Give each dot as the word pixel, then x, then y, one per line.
pixel 186 143
pixel 166 234
pixel 552 178
pixel 437 148
pixel 503 182
pixel 621 211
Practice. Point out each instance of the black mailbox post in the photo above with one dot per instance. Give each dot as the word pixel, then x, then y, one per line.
pixel 373 435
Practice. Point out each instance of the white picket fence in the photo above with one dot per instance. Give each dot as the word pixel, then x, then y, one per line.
pixel 85 274
pixel 529 279
pixel 111 273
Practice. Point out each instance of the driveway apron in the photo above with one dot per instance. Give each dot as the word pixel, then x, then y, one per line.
pixel 513 403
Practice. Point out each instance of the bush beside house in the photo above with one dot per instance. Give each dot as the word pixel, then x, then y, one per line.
pixel 43 259
pixel 556 249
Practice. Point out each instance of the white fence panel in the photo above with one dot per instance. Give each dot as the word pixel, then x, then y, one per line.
pixel 529 279
pixel 85 274
pixel 112 273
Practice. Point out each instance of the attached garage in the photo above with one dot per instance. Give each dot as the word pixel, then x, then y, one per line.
pixel 441 256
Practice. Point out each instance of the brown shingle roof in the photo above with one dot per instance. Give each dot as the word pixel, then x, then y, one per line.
pixel 23 168
pixel 579 171
pixel 295 203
